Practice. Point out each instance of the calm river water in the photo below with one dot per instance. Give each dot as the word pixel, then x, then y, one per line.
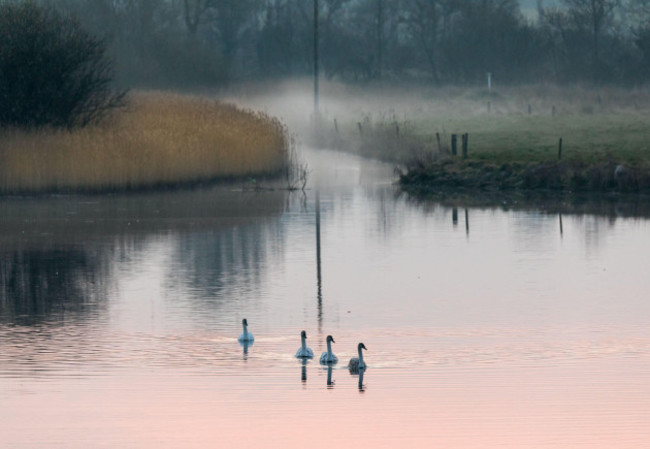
pixel 487 327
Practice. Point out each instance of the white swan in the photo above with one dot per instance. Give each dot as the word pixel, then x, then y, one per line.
pixel 328 357
pixel 304 351
pixel 245 336
pixel 356 363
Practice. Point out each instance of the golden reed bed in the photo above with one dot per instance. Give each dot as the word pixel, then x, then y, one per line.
pixel 159 140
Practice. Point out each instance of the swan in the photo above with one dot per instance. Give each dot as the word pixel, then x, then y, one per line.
pixel 357 363
pixel 304 351
pixel 245 336
pixel 328 357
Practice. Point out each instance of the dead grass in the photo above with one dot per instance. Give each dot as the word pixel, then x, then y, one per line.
pixel 161 139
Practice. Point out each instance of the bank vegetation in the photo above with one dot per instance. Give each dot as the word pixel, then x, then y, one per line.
pixel 158 140
pixel 527 138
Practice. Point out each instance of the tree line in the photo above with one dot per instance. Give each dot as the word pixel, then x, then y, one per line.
pixel 212 42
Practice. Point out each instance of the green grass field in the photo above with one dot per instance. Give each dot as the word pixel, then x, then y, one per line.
pixel 622 136
pixel 514 130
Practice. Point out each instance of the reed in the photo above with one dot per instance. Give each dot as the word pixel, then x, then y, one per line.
pixel 158 140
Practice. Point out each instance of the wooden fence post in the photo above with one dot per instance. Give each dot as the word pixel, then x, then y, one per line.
pixel 559 150
pixel 454 144
pixel 465 138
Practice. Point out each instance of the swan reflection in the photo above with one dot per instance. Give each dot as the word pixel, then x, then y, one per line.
pixel 359 372
pixel 330 382
pixel 246 344
pixel 362 387
pixel 303 370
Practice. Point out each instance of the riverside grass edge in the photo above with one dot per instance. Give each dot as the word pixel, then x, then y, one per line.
pixel 159 140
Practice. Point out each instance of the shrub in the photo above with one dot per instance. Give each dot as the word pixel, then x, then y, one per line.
pixel 52 72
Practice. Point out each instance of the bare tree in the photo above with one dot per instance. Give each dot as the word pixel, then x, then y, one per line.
pixel 422 19
pixel 595 16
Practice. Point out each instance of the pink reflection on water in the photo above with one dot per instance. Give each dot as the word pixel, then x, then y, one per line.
pixel 567 395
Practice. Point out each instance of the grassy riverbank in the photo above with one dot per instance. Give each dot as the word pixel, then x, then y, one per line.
pixel 513 137
pixel 600 151
pixel 159 140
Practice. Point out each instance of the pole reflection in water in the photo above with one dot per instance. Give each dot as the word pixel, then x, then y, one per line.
pixel 319 279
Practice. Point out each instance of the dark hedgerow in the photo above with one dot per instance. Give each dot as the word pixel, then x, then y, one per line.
pixel 52 72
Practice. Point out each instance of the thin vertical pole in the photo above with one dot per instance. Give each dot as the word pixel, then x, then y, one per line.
pixel 316 93
pixel 380 35
pixel 465 138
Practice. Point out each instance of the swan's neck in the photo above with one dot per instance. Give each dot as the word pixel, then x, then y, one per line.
pixel 361 357
pixel 245 328
pixel 304 344
pixel 329 347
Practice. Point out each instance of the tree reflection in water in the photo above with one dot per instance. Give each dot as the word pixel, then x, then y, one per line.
pixel 52 284
pixel 58 254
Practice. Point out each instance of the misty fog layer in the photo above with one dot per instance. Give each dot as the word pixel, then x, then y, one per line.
pixel 203 43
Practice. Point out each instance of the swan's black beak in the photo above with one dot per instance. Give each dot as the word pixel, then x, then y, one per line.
pixel 244 322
